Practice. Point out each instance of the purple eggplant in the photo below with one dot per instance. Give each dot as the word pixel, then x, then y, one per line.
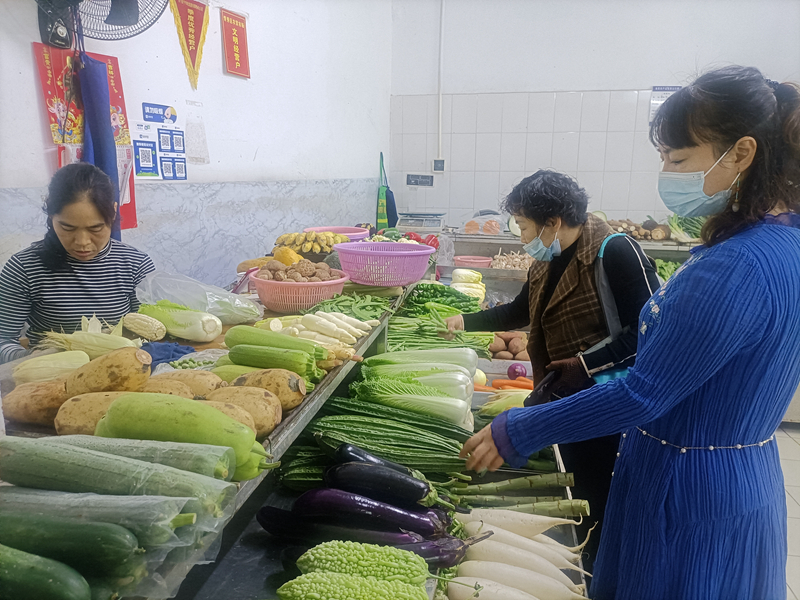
pixel 347 453
pixel 285 524
pixel 444 552
pixel 381 483
pixel 327 502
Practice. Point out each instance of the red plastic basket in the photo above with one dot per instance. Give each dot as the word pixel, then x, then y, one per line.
pixel 472 261
pixel 384 263
pixel 354 233
pixel 289 297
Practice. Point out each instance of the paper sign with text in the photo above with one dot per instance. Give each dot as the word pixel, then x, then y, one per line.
pixel 234 43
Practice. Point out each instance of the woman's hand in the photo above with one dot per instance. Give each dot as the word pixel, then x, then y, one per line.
pixel 481 452
pixel 453 324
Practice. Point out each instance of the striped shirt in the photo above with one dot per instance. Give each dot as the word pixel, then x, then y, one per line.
pixel 47 300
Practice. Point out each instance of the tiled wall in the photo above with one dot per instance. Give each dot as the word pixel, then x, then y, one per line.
pixel 491 141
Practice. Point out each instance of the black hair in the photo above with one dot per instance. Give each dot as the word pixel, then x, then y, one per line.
pixel 547 194
pixel 70 184
pixel 720 108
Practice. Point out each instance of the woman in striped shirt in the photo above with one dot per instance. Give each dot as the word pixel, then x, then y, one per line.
pixel 76 270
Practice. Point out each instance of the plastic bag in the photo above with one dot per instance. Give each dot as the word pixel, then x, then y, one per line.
pixel 486 225
pixel 231 309
pixel 447 250
pixel 212 354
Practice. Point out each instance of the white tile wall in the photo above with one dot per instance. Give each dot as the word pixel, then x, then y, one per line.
pixel 491 141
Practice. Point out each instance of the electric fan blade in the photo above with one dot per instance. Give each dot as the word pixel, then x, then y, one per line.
pixel 123 13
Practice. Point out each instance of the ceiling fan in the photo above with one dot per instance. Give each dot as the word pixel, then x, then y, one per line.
pixel 100 19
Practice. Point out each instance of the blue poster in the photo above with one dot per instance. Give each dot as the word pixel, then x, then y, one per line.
pixel 158 113
pixel 145 158
pixel 180 168
pixel 167 168
pixel 177 141
pixel 165 140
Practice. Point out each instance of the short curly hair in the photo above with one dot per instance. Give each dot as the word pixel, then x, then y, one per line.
pixel 547 194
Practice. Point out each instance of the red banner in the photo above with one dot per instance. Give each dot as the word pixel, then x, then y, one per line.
pixel 234 43
pixel 191 20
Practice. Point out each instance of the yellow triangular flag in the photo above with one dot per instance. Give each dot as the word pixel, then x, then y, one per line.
pixel 191 21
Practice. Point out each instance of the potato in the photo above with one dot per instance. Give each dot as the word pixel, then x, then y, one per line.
pixel 504 355
pixel 264 406
pixel 516 346
pixel 79 415
pixel 498 345
pixel 246 265
pixel 523 356
pixel 237 413
pixel 35 403
pixel 287 386
pixel 507 336
pixel 201 383
pixel 123 370
pixel 166 386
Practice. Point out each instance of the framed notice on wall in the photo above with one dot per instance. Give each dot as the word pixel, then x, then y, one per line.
pixel 234 43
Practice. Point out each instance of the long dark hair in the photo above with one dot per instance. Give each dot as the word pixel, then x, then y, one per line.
pixel 70 184
pixel 547 194
pixel 720 108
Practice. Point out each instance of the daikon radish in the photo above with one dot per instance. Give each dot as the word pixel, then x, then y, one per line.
pixel 490 550
pixel 373 323
pixel 524 580
pixel 463 588
pixel 544 539
pixel 318 337
pixel 351 321
pixel 516 522
pixel 320 325
pixel 355 332
pixel 512 539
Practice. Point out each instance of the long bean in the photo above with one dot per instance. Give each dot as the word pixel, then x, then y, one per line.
pixel 363 308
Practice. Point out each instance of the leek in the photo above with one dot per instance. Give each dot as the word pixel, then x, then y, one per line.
pixel 182 322
pixel 463 357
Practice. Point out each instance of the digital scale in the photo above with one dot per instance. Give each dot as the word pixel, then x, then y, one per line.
pixel 422 223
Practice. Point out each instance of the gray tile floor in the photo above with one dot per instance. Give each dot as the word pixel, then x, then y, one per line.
pixel 789 447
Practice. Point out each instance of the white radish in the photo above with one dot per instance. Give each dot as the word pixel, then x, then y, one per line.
pixel 491 550
pixel 373 323
pixel 463 588
pixel 519 523
pixel 524 580
pixel 318 337
pixel 320 325
pixel 512 539
pixel 290 331
pixel 351 321
pixel 544 539
pixel 356 333
pixel 275 325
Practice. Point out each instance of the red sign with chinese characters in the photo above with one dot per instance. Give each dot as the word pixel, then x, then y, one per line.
pixel 234 43
pixel 191 18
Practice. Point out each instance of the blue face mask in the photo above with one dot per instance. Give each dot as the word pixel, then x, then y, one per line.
pixel 683 193
pixel 539 251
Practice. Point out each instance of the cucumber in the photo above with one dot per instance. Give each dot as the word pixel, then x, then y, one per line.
pixel 230 372
pixel 212 461
pixel 43 465
pixel 172 419
pixel 25 576
pixel 99 549
pixel 253 336
pixel 223 361
pixel 152 519
pixel 103 589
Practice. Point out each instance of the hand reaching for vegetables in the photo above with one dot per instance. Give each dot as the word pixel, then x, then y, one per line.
pixel 455 323
pixel 574 376
pixel 481 452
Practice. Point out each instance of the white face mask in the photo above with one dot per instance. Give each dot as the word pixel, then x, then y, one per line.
pixel 683 193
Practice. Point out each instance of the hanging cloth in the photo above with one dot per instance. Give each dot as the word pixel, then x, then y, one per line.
pixel 387 209
pixel 99 147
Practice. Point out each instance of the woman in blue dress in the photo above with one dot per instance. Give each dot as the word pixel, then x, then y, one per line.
pixel 697 509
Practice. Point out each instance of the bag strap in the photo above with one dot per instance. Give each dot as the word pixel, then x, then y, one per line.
pixel 384 181
pixel 613 324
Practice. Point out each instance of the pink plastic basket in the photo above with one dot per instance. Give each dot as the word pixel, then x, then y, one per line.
pixel 384 263
pixel 285 297
pixel 354 233
pixel 472 261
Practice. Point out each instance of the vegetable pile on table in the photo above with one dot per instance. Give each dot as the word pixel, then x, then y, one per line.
pixel 424 294
pixel 666 269
pixel 510 345
pixel 312 241
pixel 470 283
pixel 686 229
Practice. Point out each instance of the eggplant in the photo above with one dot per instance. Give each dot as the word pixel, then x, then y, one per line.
pixel 285 524
pixel 381 483
pixel 327 502
pixel 444 552
pixel 347 453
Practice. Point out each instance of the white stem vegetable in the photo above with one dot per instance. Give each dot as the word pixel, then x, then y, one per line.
pixel 519 578
pixel 520 523
pixel 318 337
pixel 573 550
pixel 289 331
pixel 490 550
pixel 320 325
pixel 340 351
pixel 463 588
pixel 373 323
pixel 356 333
pixel 523 543
pixel 354 322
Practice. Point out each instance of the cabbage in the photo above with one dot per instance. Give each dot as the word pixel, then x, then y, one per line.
pixel 466 276
pixel 463 357
pixel 183 322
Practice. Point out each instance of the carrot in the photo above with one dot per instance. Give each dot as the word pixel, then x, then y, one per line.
pixel 484 388
pixel 520 383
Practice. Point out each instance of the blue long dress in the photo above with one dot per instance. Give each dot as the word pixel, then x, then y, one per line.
pixel 718 363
